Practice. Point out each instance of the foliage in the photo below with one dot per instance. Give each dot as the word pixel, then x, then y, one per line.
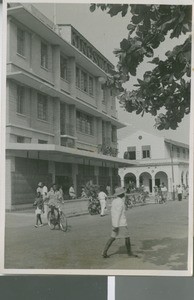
pixel 91 189
pixel 107 150
pixel 168 84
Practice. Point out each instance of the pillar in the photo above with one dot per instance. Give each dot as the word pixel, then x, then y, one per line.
pixel 56 121
pixel 99 130
pixel 98 94
pixel 74 176
pixel 9 168
pixel 72 69
pixel 96 173
pixel 153 184
pixel 56 66
pixel 51 169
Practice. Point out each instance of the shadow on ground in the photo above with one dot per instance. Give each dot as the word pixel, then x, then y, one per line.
pixel 167 251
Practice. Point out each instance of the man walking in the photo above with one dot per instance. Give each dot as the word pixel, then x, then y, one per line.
pixel 102 198
pixel 119 223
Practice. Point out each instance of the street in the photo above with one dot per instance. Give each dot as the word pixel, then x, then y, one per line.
pixel 158 234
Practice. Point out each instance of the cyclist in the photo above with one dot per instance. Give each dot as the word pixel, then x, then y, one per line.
pixel 55 199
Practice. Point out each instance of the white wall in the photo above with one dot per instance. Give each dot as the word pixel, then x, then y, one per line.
pixel 156 143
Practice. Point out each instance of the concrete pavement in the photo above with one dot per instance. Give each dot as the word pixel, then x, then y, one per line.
pixel 158 234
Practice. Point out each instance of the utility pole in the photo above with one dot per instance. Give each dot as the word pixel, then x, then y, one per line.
pixel 172 166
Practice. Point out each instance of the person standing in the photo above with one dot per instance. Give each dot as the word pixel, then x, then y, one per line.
pixel 179 192
pixel 44 195
pixel 39 190
pixel 164 192
pixel 102 198
pixel 156 194
pixel 119 223
pixel 39 205
pixel 72 192
pixel 108 189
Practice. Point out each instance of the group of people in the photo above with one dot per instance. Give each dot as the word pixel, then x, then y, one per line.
pixel 161 193
pixel 45 197
pixel 54 197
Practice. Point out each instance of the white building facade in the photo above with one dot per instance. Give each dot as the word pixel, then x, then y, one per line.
pixel 61 119
pixel 157 160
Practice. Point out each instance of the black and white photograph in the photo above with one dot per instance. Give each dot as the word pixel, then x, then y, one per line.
pixel 98 138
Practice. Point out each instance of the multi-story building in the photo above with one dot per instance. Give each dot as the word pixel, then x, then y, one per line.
pixel 157 160
pixel 61 122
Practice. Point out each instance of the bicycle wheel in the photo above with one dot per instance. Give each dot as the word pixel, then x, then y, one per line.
pixel 63 222
pixel 51 220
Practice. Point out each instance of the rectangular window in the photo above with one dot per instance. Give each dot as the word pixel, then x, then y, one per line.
pixel 20 99
pixel 146 152
pixel 44 55
pixel 103 94
pixel 20 42
pixel 184 153
pixel 91 86
pixel 103 132
pixel 131 153
pixel 84 81
pixel 77 77
pixel 20 139
pixel 63 67
pixel 178 152
pixel 114 134
pixel 42 107
pixel 84 123
pixel 42 142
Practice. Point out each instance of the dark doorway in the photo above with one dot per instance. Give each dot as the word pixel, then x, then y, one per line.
pixel 150 185
pixel 157 182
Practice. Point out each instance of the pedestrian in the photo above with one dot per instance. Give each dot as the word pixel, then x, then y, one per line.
pixel 72 192
pixel 39 190
pixel 108 189
pixel 164 192
pixel 55 198
pixel 39 205
pixel 102 198
pixel 83 193
pixel 61 191
pixel 119 223
pixel 44 195
pixel 179 192
pixel 156 194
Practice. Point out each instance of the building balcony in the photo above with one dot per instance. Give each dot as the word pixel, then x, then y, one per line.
pixel 107 149
pixel 68 129
pixel 68 135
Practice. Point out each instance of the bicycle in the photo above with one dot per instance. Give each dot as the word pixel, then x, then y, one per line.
pixel 56 217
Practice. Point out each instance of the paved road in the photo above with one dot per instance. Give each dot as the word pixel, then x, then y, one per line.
pixel 158 234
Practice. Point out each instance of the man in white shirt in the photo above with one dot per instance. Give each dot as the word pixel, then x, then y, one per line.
pixel 72 192
pixel 164 192
pixel 102 198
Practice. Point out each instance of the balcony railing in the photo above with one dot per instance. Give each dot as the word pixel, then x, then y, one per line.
pixel 107 150
pixel 68 129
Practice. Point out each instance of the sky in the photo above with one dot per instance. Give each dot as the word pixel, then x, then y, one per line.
pixel 106 33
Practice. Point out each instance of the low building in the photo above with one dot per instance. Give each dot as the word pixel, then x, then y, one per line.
pixel 61 122
pixel 158 160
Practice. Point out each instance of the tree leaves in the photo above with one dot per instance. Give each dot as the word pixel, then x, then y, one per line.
pixel 167 86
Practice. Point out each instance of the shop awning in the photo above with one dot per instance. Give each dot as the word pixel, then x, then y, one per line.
pixel 64 154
